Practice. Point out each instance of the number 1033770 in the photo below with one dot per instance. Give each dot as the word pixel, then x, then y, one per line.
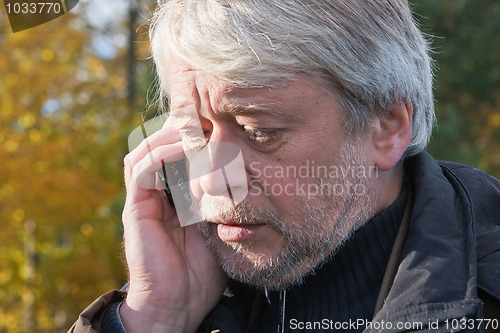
pixel 34 8
pixel 462 324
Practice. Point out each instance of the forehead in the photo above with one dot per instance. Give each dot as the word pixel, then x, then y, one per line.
pixel 187 85
pixel 194 93
pixel 304 107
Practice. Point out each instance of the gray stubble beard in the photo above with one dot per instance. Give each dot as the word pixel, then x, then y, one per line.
pixel 307 240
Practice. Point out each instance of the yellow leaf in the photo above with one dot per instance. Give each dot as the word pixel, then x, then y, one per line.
pixel 47 55
pixel 494 119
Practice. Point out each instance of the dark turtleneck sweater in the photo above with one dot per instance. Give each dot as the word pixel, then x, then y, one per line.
pixel 344 289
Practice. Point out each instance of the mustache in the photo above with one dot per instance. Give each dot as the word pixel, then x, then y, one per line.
pixel 243 213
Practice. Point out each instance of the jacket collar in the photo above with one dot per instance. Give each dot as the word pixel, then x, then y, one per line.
pixel 437 277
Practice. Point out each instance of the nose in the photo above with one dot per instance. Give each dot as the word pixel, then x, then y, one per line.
pixel 220 168
pixel 221 171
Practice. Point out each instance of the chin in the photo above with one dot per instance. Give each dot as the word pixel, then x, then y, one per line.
pixel 261 268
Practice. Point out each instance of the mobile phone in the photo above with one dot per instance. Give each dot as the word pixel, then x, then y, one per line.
pixel 175 183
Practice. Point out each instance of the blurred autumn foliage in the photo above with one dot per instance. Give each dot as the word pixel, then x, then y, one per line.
pixel 66 111
pixel 64 120
pixel 467 86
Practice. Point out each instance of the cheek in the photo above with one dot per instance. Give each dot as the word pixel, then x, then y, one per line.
pixel 277 189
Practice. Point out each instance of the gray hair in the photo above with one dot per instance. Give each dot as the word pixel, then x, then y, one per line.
pixel 370 53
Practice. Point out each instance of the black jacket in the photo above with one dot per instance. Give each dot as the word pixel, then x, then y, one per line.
pixel 452 253
pixel 453 248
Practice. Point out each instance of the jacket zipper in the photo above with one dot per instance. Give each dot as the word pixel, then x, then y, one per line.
pixel 281 324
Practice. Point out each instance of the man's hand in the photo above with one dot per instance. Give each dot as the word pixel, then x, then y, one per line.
pixel 174 278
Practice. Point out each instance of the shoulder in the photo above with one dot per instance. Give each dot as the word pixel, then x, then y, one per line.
pixel 464 170
pixel 483 192
pixel 473 179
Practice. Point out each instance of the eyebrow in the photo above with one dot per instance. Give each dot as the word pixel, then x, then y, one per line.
pixel 247 109
pixel 185 110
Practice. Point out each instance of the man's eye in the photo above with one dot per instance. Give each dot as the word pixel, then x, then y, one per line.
pixel 260 137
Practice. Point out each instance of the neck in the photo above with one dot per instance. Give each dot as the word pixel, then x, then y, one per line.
pixel 387 187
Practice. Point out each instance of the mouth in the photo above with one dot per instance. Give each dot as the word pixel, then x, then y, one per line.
pixel 238 233
pixel 231 231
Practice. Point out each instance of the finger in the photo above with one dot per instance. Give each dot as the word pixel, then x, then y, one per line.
pixel 144 171
pixel 165 136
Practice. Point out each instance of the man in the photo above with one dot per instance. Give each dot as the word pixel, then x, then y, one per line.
pixel 348 225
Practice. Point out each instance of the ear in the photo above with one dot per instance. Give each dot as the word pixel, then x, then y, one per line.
pixel 391 135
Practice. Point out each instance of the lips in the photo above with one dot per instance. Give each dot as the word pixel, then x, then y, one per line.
pixel 238 232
